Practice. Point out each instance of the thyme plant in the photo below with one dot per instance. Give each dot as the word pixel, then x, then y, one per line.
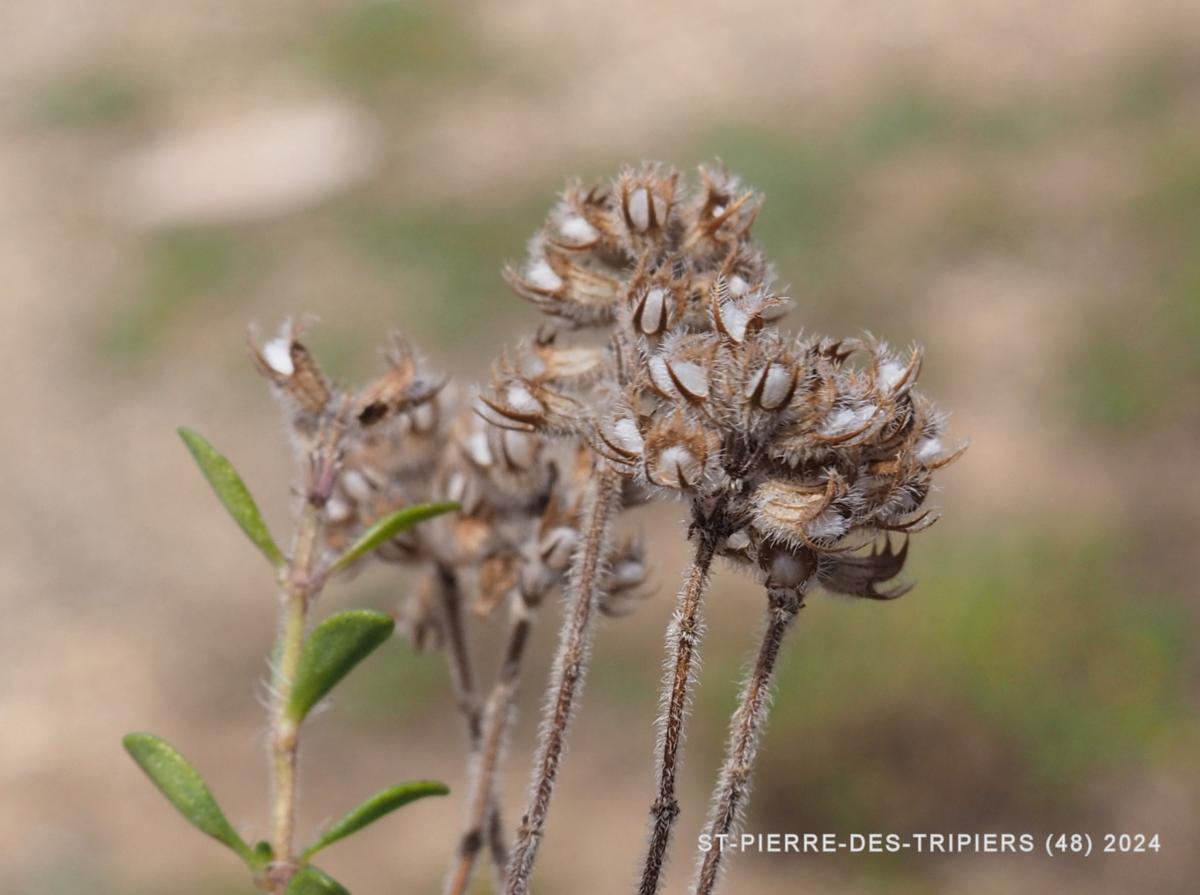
pixel 306 664
pixel 661 374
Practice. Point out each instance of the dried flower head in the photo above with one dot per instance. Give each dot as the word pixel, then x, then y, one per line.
pixel 799 456
pixel 808 445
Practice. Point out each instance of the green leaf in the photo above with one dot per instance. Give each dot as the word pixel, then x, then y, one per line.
pixel 232 492
pixel 314 881
pixel 262 855
pixel 377 806
pixel 185 789
pixel 390 526
pixel 331 651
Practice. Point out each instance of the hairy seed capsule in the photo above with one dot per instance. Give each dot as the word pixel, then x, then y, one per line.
pixel 772 387
pixel 627 436
pixel 278 355
pixel 521 400
pixel 578 231
pixel 690 379
pixel 542 276
pixel 732 320
pixel 520 449
pixel 676 467
pixel 653 311
pixel 645 209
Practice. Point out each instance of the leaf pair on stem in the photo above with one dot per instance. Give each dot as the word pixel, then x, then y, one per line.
pixel 322 658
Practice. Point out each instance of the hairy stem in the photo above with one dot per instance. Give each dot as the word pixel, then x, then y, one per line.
pixel 462 675
pixel 297 592
pixel 733 784
pixel 463 678
pixel 683 642
pixel 300 583
pixel 481 799
pixel 566 677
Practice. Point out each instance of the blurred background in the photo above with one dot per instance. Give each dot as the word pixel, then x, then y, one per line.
pixel 1014 184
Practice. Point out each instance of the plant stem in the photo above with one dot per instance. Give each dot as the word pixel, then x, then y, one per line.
pixel 463 677
pixel 566 677
pixel 481 799
pixel 733 783
pixel 298 590
pixel 300 584
pixel 683 642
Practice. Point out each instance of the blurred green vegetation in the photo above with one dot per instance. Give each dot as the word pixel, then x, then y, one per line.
pixel 1137 363
pixel 178 274
pixel 457 251
pixel 1015 675
pixel 376 46
pixel 102 95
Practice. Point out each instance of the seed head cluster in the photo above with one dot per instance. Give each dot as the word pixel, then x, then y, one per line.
pixel 795 452
pixel 408 438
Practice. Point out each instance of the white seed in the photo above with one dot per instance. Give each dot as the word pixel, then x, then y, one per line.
pixel 734 320
pixel 737 285
pixel 677 467
pixel 718 210
pixel 928 449
pixel 830 524
pixel 848 419
pixel 891 373
pixel 520 448
pixel 542 276
pixel 356 485
pixel 517 397
pixel 477 448
pixel 691 378
pixel 338 509
pixel 626 435
pixel 576 229
pixel 776 384
pixel 639 209
pixel 462 490
pixel 278 355
pixel 655 310
pixel 660 377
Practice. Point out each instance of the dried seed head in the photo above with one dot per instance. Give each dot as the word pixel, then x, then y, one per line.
pixel 288 365
pixel 818 444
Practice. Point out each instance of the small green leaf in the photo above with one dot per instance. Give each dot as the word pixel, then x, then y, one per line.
pixel 331 651
pixel 314 881
pixel 377 806
pixel 232 492
pixel 185 789
pixel 390 526
pixel 262 855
